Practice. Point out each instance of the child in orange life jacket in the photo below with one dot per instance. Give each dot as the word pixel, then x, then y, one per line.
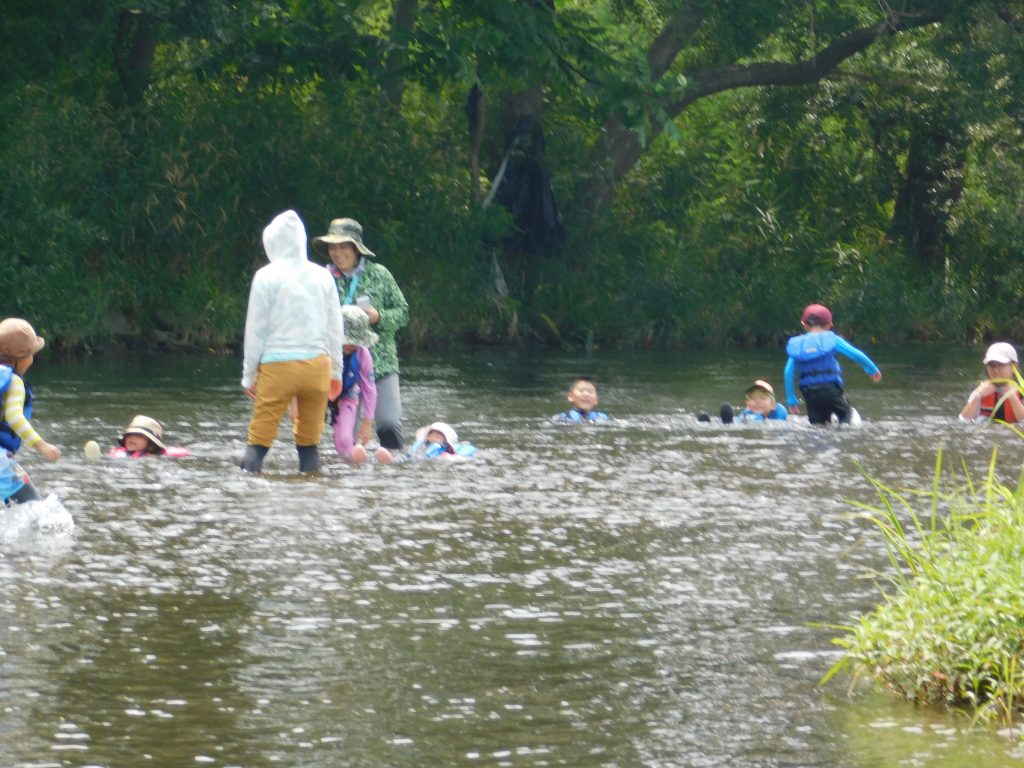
pixel 144 437
pixel 18 347
pixel 987 400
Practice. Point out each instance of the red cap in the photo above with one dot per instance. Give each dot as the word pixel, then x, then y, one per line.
pixel 816 314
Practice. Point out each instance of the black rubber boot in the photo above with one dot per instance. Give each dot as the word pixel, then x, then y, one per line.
pixel 726 413
pixel 27 492
pixel 309 458
pixel 252 460
pixel 390 437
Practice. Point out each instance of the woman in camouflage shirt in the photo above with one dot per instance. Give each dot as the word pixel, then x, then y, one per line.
pixel 371 287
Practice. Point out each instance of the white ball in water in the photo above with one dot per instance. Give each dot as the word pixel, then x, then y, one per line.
pixel 92 450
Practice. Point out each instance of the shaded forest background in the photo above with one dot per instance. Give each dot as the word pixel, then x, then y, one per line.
pixel 716 164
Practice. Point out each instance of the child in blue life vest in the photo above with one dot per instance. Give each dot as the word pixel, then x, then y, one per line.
pixel 440 441
pixel 144 437
pixel 997 397
pixel 812 362
pixel 583 396
pixel 357 386
pixel 760 406
pixel 18 346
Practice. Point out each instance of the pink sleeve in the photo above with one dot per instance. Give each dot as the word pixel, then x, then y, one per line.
pixel 367 386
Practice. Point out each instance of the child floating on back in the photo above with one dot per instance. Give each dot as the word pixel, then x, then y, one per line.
pixel 18 347
pixel 812 362
pixel 583 396
pixel 440 441
pixel 144 437
pixel 996 397
pixel 760 406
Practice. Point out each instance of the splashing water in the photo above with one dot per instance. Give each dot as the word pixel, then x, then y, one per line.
pixel 34 519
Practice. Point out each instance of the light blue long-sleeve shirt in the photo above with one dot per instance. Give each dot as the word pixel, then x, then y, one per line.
pixel 844 348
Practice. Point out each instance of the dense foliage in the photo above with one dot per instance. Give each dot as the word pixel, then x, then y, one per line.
pixel 717 164
pixel 950 633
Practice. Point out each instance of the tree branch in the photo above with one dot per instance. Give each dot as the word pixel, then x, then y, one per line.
pixel 619 148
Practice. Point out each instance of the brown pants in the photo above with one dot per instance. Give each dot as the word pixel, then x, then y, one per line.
pixel 308 381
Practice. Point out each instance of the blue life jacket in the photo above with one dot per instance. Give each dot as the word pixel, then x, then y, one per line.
pixel 815 358
pixel 776 414
pixel 576 416
pixel 433 450
pixel 350 374
pixel 9 439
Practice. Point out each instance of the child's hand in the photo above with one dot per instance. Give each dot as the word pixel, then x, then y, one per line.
pixel 51 452
pixel 334 390
pixel 794 409
pixel 250 392
pixel 876 377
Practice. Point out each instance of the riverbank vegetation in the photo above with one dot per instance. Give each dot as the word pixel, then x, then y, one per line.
pixel 952 630
pixel 675 173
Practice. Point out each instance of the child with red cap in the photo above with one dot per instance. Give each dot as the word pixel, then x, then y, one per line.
pixel 812 362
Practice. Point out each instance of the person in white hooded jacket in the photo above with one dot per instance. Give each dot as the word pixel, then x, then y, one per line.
pixel 293 336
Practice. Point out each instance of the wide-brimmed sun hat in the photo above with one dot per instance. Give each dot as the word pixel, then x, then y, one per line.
pixel 438 426
pixel 148 428
pixel 342 231
pixel 357 327
pixel 764 386
pixel 1000 352
pixel 816 314
pixel 18 339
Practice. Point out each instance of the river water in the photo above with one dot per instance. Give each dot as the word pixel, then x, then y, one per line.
pixel 651 593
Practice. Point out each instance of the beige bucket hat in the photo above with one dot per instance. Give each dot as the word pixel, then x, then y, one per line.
pixel 148 428
pixel 18 339
pixel 342 231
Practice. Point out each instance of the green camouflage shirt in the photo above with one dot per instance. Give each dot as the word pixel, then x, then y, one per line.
pixel 386 297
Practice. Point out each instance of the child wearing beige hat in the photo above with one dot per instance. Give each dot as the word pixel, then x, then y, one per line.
pixel 144 437
pixel 18 347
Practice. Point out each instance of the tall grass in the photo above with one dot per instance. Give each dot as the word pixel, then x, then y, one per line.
pixel 952 630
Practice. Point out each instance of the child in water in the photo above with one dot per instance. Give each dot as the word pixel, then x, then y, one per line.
pixel 357 384
pixel 987 400
pixel 760 406
pixel 583 396
pixel 440 441
pixel 144 437
pixel 18 347
pixel 812 362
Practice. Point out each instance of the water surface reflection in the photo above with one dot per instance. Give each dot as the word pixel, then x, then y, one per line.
pixel 642 594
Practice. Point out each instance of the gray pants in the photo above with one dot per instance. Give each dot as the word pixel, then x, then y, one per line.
pixel 389 412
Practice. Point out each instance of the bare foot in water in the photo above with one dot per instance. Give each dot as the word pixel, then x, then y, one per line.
pixel 384 456
pixel 358 454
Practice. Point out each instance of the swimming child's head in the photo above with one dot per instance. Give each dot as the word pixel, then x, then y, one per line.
pixel 583 394
pixel 357 328
pixel 143 435
pixel 18 343
pixel 760 398
pixel 1000 360
pixel 438 433
pixel 816 317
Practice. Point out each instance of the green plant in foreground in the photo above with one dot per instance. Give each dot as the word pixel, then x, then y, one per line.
pixel 953 630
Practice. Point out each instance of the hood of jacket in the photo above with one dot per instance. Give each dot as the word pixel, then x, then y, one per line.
pixel 285 238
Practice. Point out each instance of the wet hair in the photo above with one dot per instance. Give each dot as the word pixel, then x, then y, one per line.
pixel 585 379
